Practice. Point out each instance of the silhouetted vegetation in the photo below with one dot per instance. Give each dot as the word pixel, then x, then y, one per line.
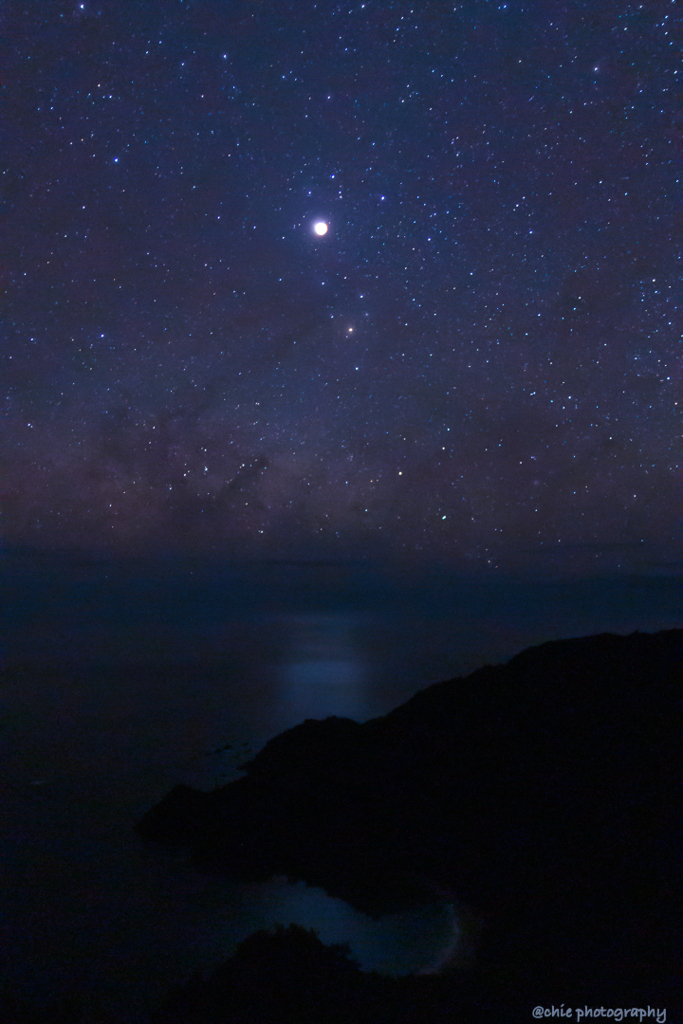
pixel 290 977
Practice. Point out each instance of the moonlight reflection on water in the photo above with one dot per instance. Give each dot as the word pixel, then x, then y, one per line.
pixel 124 679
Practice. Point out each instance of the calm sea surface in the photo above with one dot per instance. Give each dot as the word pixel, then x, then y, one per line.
pixel 122 679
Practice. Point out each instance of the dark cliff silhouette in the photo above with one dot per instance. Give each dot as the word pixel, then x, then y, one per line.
pixel 290 977
pixel 544 795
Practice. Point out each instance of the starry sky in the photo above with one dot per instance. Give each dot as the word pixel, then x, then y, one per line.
pixel 478 360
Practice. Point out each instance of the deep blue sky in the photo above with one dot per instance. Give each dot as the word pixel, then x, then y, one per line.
pixel 480 360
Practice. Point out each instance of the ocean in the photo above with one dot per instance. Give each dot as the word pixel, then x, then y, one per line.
pixel 121 678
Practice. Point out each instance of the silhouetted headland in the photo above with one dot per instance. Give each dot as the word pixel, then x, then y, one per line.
pixel 543 795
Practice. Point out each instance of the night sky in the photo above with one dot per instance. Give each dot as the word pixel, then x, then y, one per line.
pixel 479 359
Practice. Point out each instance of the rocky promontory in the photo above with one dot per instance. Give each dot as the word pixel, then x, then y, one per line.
pixel 544 795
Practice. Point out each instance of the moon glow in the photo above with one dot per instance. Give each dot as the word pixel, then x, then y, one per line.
pixel 320 227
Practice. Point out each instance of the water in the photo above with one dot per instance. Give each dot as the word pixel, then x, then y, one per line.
pixel 125 678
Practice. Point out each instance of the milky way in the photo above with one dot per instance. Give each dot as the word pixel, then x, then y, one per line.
pixel 479 359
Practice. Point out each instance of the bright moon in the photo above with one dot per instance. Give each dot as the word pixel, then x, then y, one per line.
pixel 320 227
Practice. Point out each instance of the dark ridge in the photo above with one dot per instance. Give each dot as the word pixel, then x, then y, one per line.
pixel 543 795
pixel 288 976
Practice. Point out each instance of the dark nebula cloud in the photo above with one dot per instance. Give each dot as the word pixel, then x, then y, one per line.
pixel 480 359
